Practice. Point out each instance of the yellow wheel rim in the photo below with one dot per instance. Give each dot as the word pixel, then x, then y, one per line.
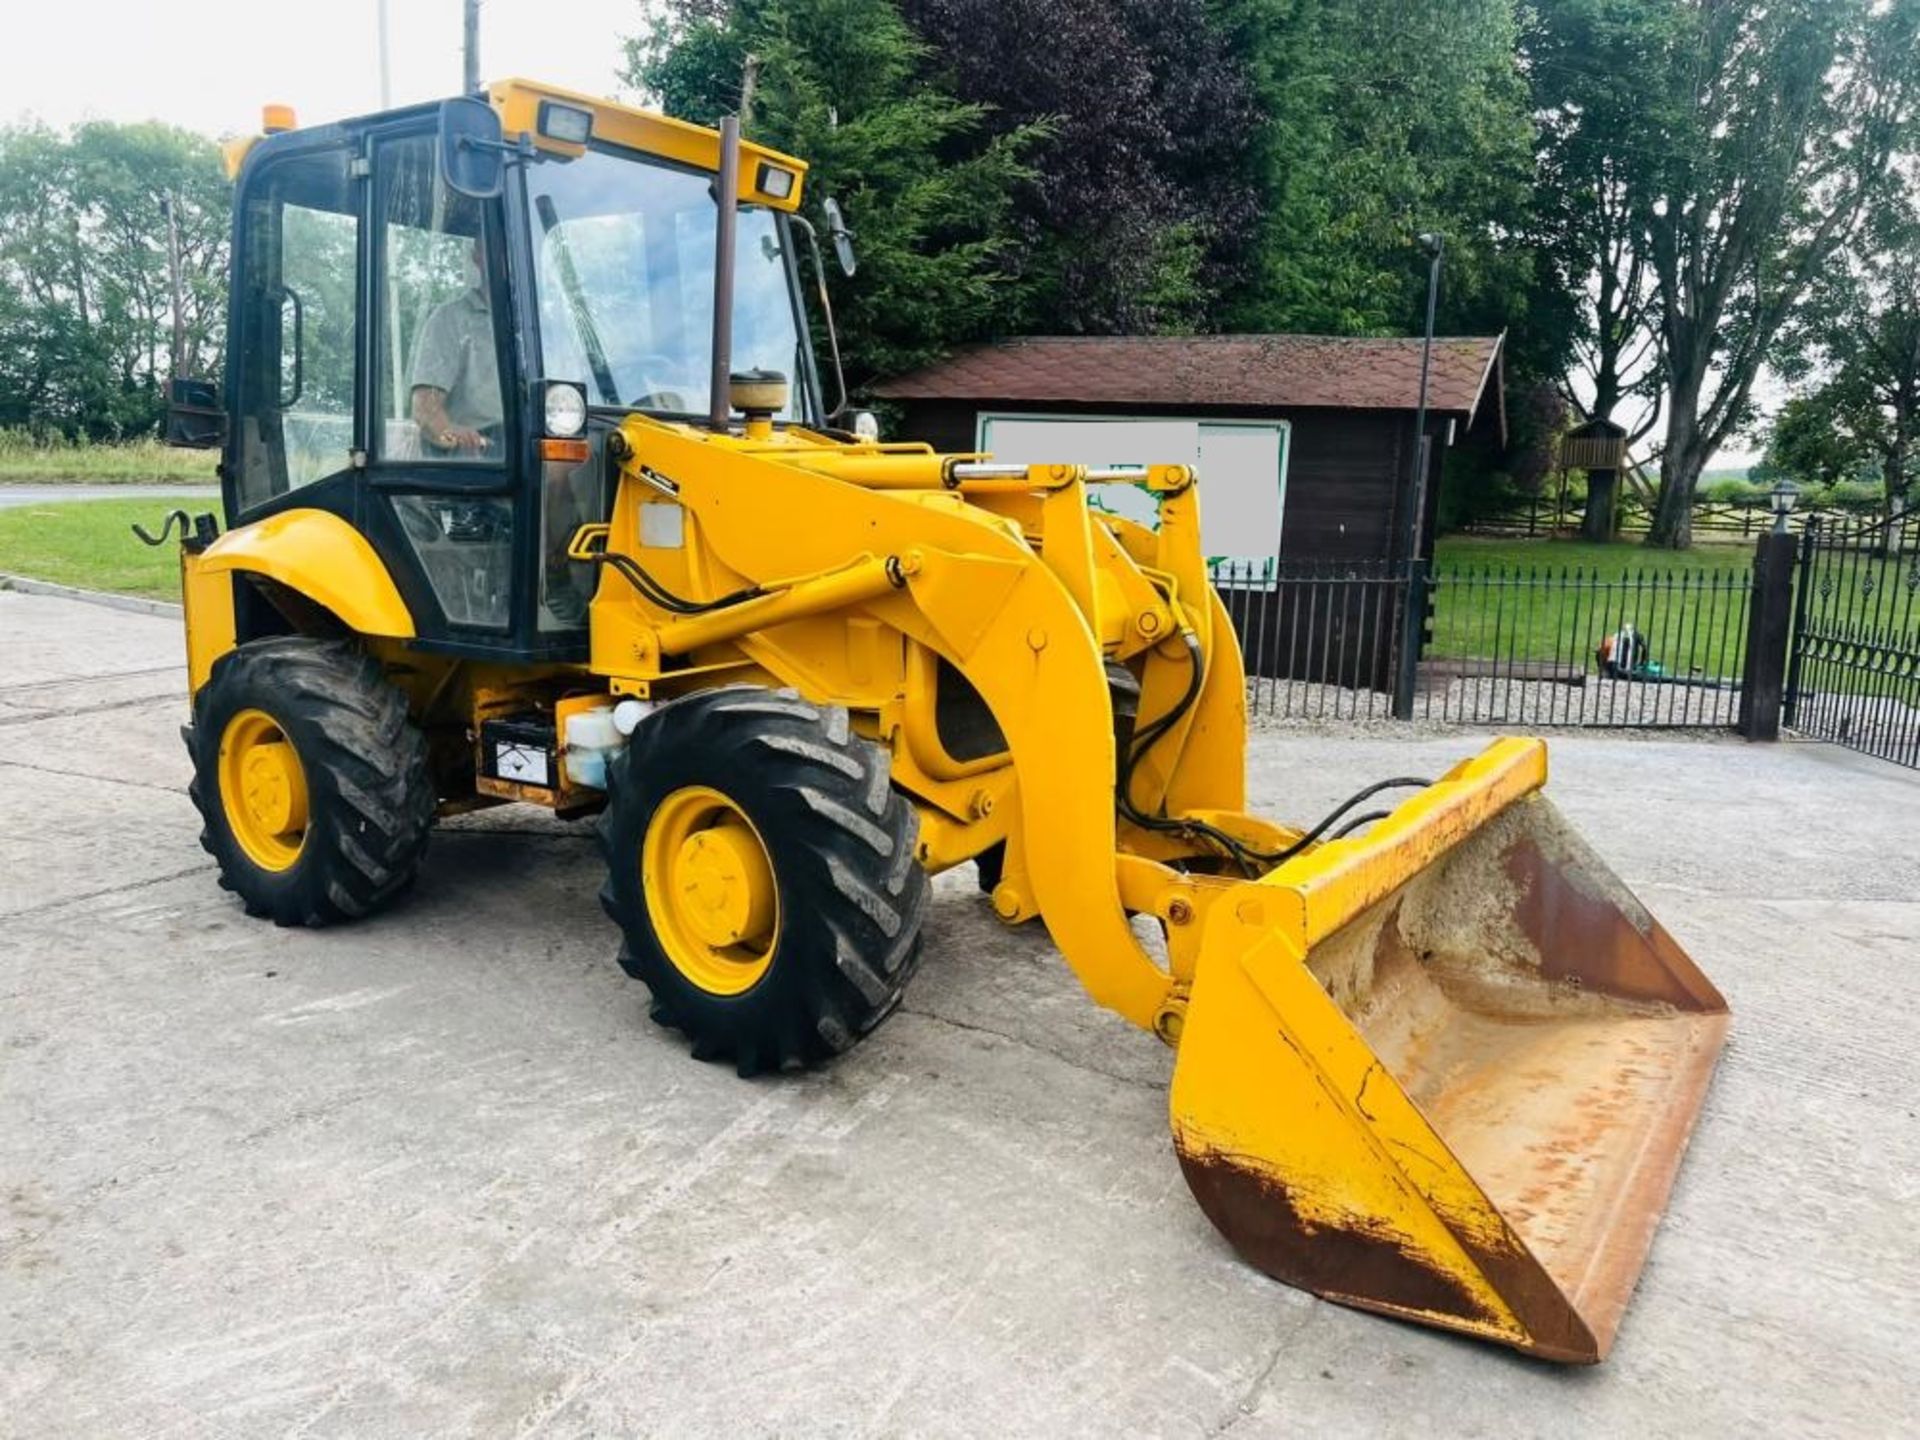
pixel 263 790
pixel 710 891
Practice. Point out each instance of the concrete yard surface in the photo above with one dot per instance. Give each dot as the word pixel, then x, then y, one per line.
pixel 438 1174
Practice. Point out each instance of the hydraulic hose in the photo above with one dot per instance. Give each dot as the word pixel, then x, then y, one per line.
pixel 636 575
pixel 1246 856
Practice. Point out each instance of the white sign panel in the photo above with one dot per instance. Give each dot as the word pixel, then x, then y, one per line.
pixel 1242 468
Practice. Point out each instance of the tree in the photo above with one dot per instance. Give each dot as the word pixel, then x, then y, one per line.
pixel 1140 212
pixel 1864 333
pixel 1585 62
pixel 86 314
pixel 1775 122
pixel 844 85
pixel 1379 120
pixel 1816 440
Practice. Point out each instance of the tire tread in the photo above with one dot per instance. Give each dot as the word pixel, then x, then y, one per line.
pixel 853 895
pixel 371 794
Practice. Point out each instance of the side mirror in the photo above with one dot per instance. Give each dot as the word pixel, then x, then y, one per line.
pixel 841 237
pixel 195 420
pixel 472 156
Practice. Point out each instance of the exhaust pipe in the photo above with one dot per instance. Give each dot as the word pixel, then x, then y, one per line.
pixel 719 403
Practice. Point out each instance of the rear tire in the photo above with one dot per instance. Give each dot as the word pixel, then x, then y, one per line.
pixel 800 973
pixel 316 717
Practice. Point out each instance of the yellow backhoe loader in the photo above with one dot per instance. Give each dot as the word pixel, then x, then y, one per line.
pixel 532 494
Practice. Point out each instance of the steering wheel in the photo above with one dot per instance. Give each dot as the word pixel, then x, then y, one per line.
pixel 653 365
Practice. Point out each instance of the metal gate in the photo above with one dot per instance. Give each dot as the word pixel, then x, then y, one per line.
pixel 1854 674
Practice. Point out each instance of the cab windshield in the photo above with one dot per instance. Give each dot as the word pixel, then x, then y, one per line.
pixel 624 254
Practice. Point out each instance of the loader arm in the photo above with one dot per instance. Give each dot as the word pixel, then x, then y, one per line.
pixel 981 598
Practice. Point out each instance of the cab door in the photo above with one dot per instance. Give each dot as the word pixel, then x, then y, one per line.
pixel 295 332
pixel 443 489
pixel 365 371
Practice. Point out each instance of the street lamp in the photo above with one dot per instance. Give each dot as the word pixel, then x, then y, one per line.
pixel 1785 495
pixel 1413 618
pixel 1434 248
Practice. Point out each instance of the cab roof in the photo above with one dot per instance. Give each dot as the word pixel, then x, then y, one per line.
pixel 518 102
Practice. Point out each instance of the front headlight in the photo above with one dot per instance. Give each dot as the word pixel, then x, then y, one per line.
pixel 566 409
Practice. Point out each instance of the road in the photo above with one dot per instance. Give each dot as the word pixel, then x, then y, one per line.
pixel 39 494
pixel 437 1174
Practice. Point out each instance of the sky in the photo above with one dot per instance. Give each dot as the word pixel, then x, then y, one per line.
pixel 211 64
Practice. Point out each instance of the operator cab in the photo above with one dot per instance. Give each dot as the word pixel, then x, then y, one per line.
pixel 409 348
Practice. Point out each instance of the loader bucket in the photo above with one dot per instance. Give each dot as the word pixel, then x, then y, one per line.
pixel 1446 1070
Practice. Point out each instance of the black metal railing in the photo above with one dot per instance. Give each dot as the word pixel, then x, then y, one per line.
pixel 1854 674
pixel 1533 646
pixel 1550 646
pixel 1320 640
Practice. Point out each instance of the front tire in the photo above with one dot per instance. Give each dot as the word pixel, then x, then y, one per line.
pixel 761 868
pixel 312 783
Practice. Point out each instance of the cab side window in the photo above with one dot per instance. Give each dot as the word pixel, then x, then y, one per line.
pixel 301 238
pixel 439 396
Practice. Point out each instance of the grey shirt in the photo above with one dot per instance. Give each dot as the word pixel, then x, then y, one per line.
pixel 456 354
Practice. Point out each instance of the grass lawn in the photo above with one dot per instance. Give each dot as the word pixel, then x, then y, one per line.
pixel 1551 602
pixel 139 462
pixel 88 543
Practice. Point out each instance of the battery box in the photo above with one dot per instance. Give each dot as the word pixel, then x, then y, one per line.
pixel 522 749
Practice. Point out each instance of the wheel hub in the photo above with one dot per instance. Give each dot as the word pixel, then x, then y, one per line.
pixel 711 893
pixel 263 790
pixel 723 875
pixel 270 783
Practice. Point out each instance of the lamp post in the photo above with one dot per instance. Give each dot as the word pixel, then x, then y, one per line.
pixel 1434 248
pixel 1413 621
pixel 1785 495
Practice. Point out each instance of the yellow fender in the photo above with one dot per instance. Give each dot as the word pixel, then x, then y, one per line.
pixel 311 552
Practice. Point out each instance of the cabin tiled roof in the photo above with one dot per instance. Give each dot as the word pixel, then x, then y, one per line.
pixel 1177 372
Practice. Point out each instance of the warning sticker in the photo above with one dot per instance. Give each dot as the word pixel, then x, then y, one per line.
pixel 525 763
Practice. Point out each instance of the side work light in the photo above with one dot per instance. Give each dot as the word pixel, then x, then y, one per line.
pixel 568 124
pixel 773 181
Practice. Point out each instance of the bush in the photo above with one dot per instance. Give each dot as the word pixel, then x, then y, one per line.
pixel 1471 493
pixel 1855 496
pixel 1733 491
pixel 27 456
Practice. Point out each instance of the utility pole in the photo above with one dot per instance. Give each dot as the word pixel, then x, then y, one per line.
pixel 1413 620
pixel 386 70
pixel 470 48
